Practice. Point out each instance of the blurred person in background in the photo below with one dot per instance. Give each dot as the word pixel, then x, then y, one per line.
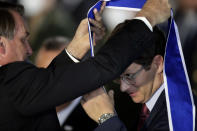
pixel 186 17
pixel 51 19
pixel 49 49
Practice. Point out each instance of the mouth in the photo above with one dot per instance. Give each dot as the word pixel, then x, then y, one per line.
pixel 132 94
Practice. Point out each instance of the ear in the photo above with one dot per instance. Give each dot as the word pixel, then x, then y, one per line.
pixel 3 42
pixel 158 63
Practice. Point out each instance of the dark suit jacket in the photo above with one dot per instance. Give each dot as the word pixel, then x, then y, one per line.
pixel 157 120
pixel 28 94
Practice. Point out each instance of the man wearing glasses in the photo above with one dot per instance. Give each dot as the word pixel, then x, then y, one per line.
pixel 143 82
pixel 143 79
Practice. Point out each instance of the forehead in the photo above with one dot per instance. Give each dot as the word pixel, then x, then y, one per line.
pixel 20 23
pixel 132 68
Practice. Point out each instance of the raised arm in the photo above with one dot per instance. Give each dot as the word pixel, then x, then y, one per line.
pixel 63 80
pixel 80 43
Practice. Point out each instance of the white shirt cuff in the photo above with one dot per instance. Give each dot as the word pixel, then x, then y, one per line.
pixel 71 57
pixel 145 21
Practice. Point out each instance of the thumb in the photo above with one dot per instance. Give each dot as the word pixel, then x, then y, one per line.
pixel 111 95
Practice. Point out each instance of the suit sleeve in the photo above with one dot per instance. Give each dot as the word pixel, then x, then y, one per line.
pixel 34 90
pixel 113 124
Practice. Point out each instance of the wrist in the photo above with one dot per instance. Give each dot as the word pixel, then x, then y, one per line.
pixel 105 117
pixel 148 14
pixel 77 49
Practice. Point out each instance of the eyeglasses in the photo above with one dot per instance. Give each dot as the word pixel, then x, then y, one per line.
pixel 130 78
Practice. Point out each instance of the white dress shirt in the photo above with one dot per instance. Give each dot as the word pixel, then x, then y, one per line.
pixel 145 21
pixel 151 102
pixel 64 113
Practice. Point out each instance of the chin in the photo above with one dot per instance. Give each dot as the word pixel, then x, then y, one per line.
pixel 136 100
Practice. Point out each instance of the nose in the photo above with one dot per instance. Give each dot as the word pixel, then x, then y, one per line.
pixel 29 49
pixel 123 86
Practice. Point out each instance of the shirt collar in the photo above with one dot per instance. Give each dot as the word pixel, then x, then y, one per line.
pixel 151 102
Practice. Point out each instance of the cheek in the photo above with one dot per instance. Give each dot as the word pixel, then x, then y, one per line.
pixel 144 79
pixel 13 49
pixel 145 87
pixel 140 81
pixel 21 49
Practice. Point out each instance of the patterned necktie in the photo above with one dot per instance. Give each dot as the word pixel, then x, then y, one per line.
pixel 143 116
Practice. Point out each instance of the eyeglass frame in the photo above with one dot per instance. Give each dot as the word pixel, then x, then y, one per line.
pixel 131 77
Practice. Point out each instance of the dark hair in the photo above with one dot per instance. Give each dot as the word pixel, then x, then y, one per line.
pixel 7 22
pixel 157 44
pixel 10 6
pixel 157 47
pixel 55 43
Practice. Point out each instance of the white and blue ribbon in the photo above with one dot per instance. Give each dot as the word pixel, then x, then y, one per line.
pixel 179 97
pixel 91 15
pixel 116 4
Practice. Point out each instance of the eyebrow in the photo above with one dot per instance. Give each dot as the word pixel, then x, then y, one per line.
pixel 129 72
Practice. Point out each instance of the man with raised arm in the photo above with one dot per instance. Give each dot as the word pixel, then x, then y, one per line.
pixel 29 94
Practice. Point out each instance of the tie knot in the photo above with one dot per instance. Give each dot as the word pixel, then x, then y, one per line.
pixel 145 110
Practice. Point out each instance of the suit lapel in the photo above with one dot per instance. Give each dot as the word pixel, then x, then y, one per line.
pixel 160 105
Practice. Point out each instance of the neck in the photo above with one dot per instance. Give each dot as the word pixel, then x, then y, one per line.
pixel 157 82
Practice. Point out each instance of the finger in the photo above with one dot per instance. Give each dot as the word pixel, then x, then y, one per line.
pixel 98 34
pixel 111 94
pixel 102 7
pixel 97 15
pixel 96 31
pixel 84 21
pixel 96 23
pixel 94 40
pixel 83 100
